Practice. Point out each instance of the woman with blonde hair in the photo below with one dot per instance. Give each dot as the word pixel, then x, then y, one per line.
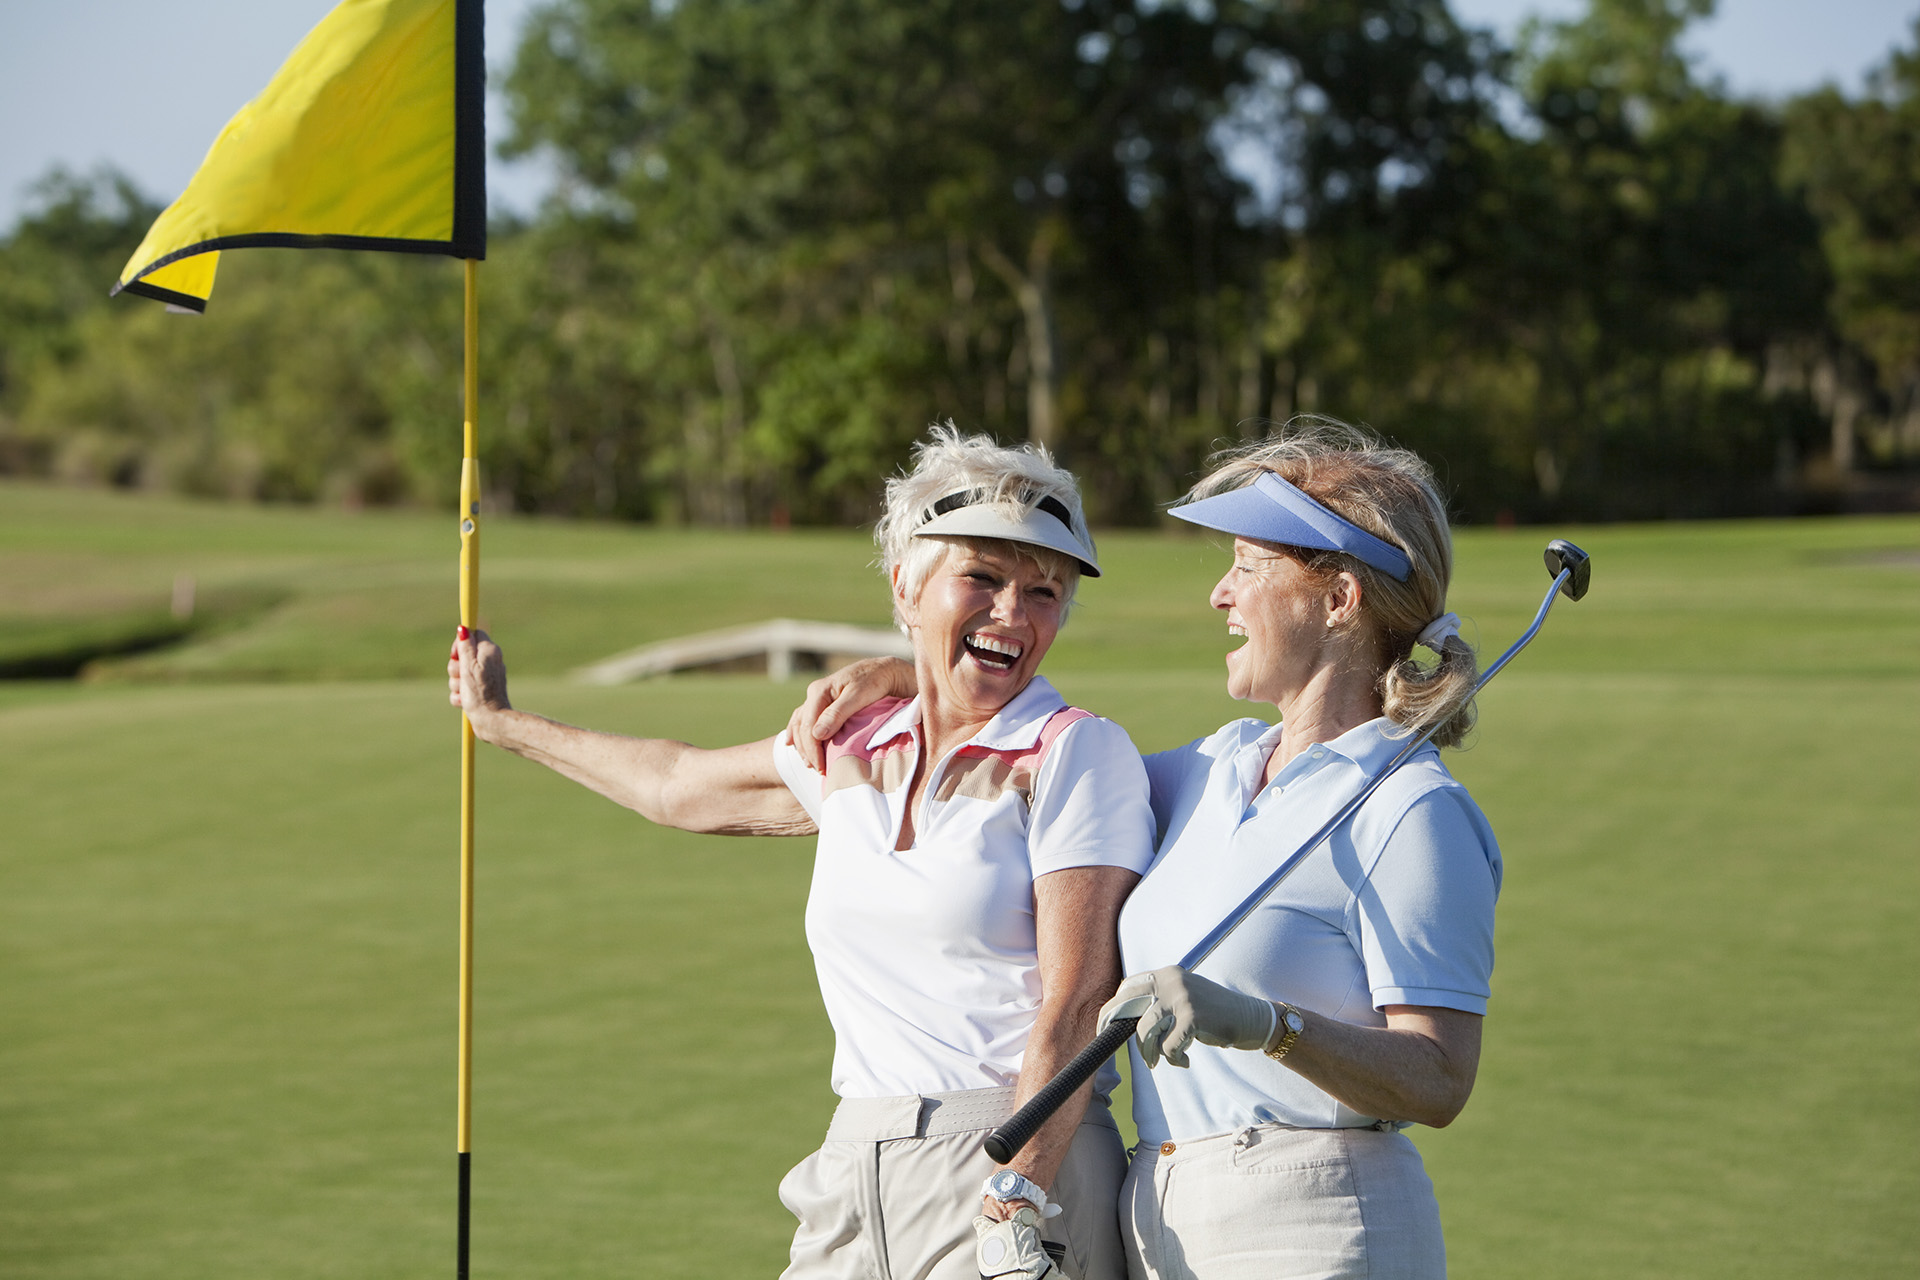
pixel 1348 1006
pixel 975 845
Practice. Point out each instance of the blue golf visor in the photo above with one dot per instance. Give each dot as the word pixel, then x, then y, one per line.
pixel 1272 510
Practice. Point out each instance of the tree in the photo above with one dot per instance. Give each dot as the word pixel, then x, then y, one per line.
pixel 867 212
pixel 1666 257
pixel 1590 334
pixel 51 267
pixel 792 232
pixel 1859 162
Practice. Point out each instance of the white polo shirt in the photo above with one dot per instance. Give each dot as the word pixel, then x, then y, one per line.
pixel 926 956
pixel 1395 908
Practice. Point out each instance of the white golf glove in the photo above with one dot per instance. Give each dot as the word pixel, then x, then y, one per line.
pixel 1176 1008
pixel 1013 1250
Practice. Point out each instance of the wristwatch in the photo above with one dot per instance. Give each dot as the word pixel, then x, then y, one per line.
pixel 1008 1185
pixel 1291 1025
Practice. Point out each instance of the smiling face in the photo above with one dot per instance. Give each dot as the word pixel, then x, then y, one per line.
pixel 1284 612
pixel 985 618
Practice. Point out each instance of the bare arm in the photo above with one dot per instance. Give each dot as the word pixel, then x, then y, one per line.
pixel 731 791
pixel 1419 1067
pixel 1076 919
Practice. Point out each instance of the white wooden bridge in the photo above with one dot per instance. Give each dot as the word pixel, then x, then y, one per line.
pixel 785 645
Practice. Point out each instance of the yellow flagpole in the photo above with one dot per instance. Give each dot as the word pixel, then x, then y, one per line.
pixel 470 619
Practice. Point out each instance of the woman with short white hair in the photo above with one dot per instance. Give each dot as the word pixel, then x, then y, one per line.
pixel 976 842
pixel 1348 1005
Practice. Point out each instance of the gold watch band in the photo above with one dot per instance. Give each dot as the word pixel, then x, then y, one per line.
pixel 1288 1022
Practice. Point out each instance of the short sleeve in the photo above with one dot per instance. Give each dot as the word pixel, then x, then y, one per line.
pixel 1425 915
pixel 807 786
pixel 1167 777
pixel 1090 802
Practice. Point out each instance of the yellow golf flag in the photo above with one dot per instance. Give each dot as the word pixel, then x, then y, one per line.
pixel 371 136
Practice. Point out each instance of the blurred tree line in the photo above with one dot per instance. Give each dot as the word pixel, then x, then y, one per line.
pixel 790 233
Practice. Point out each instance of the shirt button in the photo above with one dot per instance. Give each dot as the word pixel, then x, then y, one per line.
pixel 1319 755
pixel 1166 1148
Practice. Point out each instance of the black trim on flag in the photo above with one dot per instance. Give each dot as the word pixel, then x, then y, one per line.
pixel 469 130
pixel 278 240
pixel 141 288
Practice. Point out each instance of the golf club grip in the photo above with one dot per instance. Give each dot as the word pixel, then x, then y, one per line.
pixel 1003 1143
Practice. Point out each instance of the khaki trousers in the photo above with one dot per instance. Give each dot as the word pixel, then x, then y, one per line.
pixel 892 1192
pixel 1280 1203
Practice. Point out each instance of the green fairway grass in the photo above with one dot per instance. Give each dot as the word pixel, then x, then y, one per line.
pixel 227 901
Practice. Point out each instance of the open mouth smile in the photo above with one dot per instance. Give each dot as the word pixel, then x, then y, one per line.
pixel 991 652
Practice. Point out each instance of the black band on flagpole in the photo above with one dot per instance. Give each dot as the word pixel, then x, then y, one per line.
pixel 466 1200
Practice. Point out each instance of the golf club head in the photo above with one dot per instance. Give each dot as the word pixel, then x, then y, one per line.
pixel 1562 554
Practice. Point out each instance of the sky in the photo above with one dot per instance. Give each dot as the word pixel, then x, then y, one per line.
pixel 145 85
pixel 1761 48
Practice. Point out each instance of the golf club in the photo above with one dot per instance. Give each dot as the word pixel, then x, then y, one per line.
pixel 1572 571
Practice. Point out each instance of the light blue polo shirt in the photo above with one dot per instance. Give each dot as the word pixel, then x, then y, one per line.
pixel 1395 908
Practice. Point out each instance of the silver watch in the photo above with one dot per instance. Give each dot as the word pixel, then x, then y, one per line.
pixel 1007 1185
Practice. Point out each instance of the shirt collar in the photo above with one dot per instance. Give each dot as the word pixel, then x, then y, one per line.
pixel 1373 744
pixel 900 722
pixel 1370 746
pixel 1016 727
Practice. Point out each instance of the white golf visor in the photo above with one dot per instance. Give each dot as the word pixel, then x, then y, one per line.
pixel 1046 523
pixel 1272 510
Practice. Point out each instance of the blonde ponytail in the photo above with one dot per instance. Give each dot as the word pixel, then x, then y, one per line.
pixel 1413 696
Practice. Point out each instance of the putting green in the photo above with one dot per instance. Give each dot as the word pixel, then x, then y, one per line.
pixel 227 920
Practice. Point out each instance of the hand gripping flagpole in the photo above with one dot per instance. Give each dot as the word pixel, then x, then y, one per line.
pixel 1572 571
pixel 470 619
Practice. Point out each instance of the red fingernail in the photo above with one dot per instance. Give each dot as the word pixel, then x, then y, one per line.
pixel 463 631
